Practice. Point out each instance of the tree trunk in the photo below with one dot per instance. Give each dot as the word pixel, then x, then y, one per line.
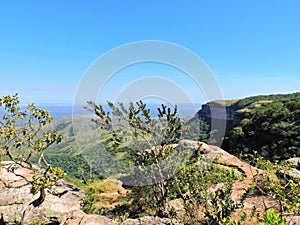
pixel 41 198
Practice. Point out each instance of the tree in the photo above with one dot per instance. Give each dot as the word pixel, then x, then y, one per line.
pixel 150 143
pixel 22 139
pixel 237 136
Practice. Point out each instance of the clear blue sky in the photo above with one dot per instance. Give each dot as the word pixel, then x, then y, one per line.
pixel 252 47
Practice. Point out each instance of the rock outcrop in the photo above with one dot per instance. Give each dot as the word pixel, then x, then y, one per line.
pixel 294 172
pixel 295 162
pixel 65 208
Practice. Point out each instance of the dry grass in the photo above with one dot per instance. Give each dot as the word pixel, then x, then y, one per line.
pixel 109 192
pixel 226 102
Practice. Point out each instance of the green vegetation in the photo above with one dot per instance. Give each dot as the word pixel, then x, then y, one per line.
pixel 272 218
pixel 268 125
pixel 277 183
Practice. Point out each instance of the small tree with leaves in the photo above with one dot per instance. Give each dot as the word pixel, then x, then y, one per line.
pixel 150 143
pixel 22 139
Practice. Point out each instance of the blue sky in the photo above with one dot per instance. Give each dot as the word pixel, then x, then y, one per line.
pixel 252 47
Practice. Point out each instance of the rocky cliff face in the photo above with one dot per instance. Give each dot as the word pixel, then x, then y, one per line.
pixel 219 117
pixel 215 110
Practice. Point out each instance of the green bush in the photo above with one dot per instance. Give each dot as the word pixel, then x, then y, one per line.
pixel 272 218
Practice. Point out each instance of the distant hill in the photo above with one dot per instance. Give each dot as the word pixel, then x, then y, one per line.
pixel 79 154
pixel 267 124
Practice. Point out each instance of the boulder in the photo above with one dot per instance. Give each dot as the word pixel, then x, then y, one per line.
pixel 295 162
pixel 294 172
pixel 194 146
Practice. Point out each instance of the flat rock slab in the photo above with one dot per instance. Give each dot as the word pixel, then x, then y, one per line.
pixel 65 209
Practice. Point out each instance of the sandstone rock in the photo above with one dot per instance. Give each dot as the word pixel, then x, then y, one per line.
pixel 176 205
pixel 295 162
pixel 194 146
pixel 216 154
pixel 16 203
pixel 293 220
pixel 96 220
pixel 294 172
pixel 147 220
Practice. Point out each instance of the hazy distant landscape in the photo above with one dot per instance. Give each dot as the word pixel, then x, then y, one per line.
pixel 61 111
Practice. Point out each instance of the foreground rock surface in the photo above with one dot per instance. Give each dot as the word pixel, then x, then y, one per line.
pixel 16 207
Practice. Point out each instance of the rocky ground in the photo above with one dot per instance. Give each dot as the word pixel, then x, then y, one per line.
pixel 66 208
pixel 16 202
